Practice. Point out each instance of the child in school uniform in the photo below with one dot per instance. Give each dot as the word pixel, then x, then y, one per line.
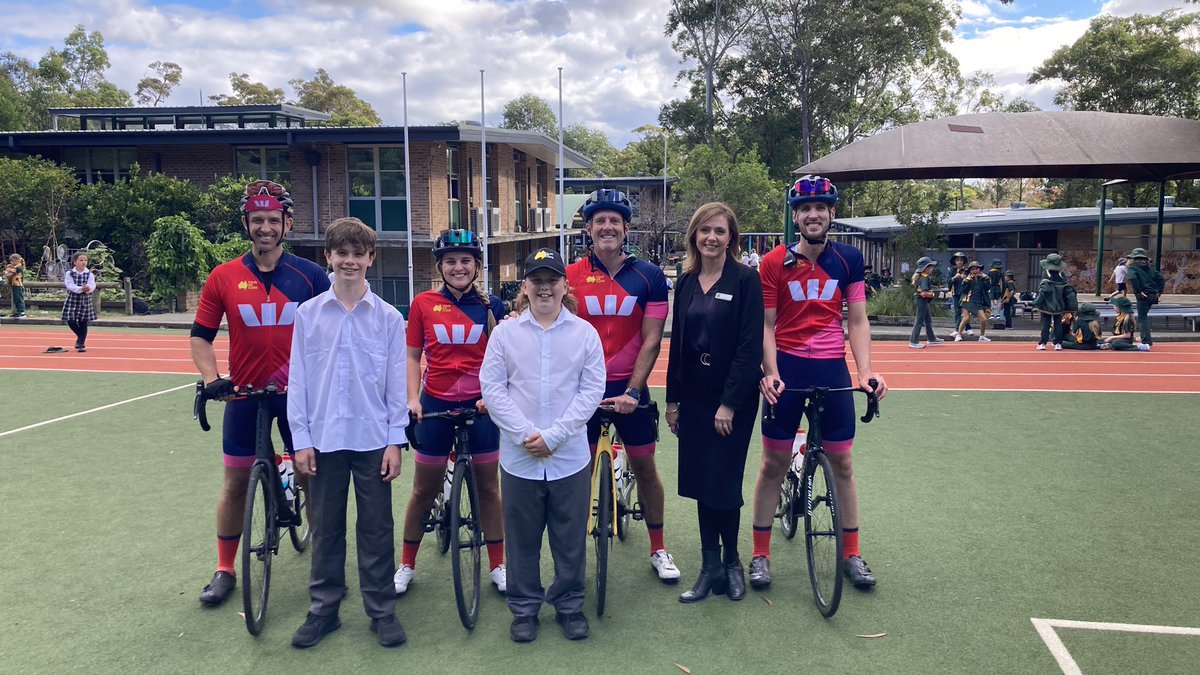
pixel 923 295
pixel 542 377
pixel 347 408
pixel 1008 297
pixel 14 276
pixel 1124 328
pixel 1085 329
pixel 975 299
pixel 1055 297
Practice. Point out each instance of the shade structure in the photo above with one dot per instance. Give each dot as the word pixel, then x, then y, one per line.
pixel 1058 144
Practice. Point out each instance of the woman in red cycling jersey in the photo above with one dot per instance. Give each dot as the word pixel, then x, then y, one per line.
pixel 450 327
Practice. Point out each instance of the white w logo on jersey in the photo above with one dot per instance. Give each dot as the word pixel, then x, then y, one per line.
pixel 251 318
pixel 815 290
pixel 457 335
pixel 610 308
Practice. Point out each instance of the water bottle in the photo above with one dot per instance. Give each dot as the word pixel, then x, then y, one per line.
pixel 286 475
pixel 449 479
pixel 619 465
pixel 799 446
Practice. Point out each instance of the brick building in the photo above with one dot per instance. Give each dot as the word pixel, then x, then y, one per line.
pixel 337 171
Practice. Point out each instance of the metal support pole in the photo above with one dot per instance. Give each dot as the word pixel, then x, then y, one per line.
pixel 407 192
pixel 560 216
pixel 1162 199
pixel 483 216
pixel 1100 245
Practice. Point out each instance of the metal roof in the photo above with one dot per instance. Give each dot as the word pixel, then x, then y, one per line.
pixel 602 181
pixel 132 113
pixel 1012 220
pixel 1044 144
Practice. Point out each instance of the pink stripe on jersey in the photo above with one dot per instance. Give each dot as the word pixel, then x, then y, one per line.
pixel 620 365
pixel 656 310
pixel 465 387
pixel 857 292
pixel 828 342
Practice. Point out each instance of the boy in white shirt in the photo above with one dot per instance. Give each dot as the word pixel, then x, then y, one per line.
pixel 542 378
pixel 347 409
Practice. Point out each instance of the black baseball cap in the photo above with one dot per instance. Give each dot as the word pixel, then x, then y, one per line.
pixel 545 259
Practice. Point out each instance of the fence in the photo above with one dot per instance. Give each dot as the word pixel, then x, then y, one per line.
pixel 125 285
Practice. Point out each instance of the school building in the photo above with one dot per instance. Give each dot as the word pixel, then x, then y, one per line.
pixel 1021 237
pixel 333 172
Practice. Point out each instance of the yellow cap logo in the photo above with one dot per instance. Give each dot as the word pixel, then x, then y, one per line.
pixel 543 254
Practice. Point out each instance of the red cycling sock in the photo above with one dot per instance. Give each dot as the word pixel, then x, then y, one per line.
pixel 495 548
pixel 850 536
pixel 227 548
pixel 762 542
pixel 408 553
pixel 656 537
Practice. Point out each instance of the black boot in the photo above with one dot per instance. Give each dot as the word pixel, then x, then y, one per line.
pixel 735 578
pixel 711 579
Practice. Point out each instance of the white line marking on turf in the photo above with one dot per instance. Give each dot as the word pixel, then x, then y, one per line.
pixel 1045 629
pixel 103 407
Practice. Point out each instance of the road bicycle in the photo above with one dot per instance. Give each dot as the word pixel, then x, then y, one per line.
pixel 810 490
pixel 274 501
pixel 455 515
pixel 612 489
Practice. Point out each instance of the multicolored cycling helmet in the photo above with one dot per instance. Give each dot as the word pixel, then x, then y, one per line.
pixel 812 189
pixel 265 195
pixel 457 241
pixel 607 199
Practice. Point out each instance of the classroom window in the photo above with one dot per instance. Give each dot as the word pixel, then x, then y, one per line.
pixel 265 163
pixel 376 186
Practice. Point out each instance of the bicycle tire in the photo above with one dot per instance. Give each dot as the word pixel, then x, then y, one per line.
pixel 468 540
pixel 789 503
pixel 439 514
pixel 823 536
pixel 602 533
pixel 258 545
pixel 625 504
pixel 300 535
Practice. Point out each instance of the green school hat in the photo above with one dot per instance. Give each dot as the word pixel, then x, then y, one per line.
pixel 1121 302
pixel 1053 263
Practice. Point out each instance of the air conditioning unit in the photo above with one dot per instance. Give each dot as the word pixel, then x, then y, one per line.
pixel 535 219
pixel 493 221
pixel 547 222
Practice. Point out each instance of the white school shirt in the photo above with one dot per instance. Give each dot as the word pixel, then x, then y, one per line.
pixel 347 386
pixel 543 380
pixel 1120 272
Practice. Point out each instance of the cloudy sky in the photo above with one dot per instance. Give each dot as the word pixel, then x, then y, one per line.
pixel 618 67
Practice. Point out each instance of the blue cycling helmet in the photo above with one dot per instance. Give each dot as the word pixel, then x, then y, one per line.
pixel 607 199
pixel 456 241
pixel 812 189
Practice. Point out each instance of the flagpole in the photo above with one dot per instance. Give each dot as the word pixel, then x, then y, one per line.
pixel 562 217
pixel 407 189
pixel 483 219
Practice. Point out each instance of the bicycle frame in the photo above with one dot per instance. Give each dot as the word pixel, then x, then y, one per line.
pixel 604 446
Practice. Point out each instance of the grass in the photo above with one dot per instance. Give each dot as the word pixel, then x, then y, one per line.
pixel 981 511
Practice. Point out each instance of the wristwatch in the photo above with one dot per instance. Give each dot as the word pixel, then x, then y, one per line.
pixel 634 393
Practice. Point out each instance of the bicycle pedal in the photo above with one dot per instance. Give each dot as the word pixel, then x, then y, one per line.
pixel 636 511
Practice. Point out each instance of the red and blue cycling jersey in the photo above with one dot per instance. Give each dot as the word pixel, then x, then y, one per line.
pixel 453 333
pixel 260 317
pixel 808 298
pixel 616 305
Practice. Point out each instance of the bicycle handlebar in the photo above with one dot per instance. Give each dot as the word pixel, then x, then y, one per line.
pixel 200 409
pixel 872 400
pixel 457 415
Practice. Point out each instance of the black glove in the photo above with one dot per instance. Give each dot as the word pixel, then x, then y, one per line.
pixel 220 388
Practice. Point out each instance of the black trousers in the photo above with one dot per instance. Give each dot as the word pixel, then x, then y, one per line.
pixel 1143 320
pixel 79 327
pixel 374 532
pixel 1047 321
pixel 924 320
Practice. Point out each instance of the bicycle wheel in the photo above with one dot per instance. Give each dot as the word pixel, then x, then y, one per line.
pixel 300 535
pixel 603 530
pixel 441 518
pixel 467 539
pixel 626 488
pixel 258 545
pixel 822 532
pixel 789 505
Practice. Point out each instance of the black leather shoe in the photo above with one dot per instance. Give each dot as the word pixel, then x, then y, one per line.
pixel 524 629
pixel 858 572
pixel 316 627
pixel 760 572
pixel 735 580
pixel 574 625
pixel 710 581
pixel 218 589
pixel 391 633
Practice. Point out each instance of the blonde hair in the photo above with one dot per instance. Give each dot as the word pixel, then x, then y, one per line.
pixel 522 301
pixel 702 215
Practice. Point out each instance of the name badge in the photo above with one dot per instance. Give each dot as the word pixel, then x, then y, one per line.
pixel 724 296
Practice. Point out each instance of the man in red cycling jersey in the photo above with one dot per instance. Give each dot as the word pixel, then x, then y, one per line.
pixel 258 294
pixel 625 300
pixel 804 285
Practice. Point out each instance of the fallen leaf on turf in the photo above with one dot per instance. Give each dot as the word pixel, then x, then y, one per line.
pixel 181 635
pixel 243 615
pixel 873 635
pixel 768 601
pixel 685 669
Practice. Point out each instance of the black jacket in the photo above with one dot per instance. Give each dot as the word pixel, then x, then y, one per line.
pixel 736 332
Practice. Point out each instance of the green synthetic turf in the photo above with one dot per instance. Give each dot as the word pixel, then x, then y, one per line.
pixel 981 510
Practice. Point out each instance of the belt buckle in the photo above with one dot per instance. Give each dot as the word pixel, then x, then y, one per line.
pixel 705 359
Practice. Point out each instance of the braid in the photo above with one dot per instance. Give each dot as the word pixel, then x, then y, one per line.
pixel 486 301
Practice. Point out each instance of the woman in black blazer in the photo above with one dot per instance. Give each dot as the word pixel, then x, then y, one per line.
pixel 712 389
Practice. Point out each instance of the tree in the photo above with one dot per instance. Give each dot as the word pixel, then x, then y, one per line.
pixel 592 143
pixel 922 220
pixel 178 258
pixel 154 90
pixel 324 95
pixel 34 193
pixel 1140 64
pixel 530 113
pixel 704 32
pixel 710 174
pixel 246 92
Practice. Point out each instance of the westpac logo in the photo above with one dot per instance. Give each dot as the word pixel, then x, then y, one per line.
pixel 264 314
pixel 610 306
pixel 814 290
pixel 262 203
pixel 457 335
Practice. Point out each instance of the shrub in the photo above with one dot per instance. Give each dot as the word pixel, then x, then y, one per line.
pixel 899 301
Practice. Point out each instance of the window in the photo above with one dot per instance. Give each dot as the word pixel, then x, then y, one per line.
pixel 453 188
pixel 996 240
pixel 265 163
pixel 1179 237
pixel 376 182
pixel 100 165
pixel 1126 237
pixel 519 186
pixel 960 241
pixel 1047 239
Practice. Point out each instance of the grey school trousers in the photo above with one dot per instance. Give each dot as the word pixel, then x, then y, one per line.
pixel 373 530
pixel 531 507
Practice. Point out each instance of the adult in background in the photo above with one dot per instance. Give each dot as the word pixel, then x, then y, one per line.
pixel 79 308
pixel 804 286
pixel 1147 285
pixel 258 294
pixel 712 393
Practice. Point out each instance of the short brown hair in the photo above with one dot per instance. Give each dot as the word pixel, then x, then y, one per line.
pixel 349 233
pixel 701 215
